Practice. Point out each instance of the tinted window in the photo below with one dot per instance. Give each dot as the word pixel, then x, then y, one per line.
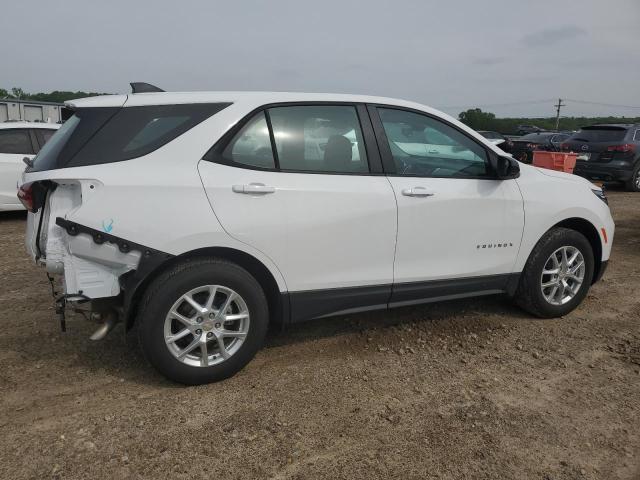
pixel 491 135
pixel 136 131
pixel 43 135
pixel 251 145
pixel 323 138
pixel 423 146
pixel 102 135
pixel 599 135
pixel 15 141
pixel 636 136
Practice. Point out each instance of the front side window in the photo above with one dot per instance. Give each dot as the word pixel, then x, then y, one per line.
pixel 252 145
pixel 319 138
pixel 426 147
pixel 15 141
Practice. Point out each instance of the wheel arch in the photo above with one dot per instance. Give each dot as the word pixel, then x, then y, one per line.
pixel 277 301
pixel 586 228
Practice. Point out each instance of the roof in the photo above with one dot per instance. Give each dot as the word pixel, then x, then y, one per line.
pixel 52 126
pixel 30 102
pixel 261 98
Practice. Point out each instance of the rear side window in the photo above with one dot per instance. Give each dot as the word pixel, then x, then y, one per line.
pixel 43 135
pixel 252 145
pixel 299 138
pixel 95 136
pixel 600 135
pixel 319 138
pixel 16 141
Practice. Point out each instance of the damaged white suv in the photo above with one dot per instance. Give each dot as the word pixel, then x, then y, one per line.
pixel 199 218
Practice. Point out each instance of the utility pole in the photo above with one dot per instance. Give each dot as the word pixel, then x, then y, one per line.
pixel 558 106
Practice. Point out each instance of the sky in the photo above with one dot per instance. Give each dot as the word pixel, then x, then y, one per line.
pixel 513 58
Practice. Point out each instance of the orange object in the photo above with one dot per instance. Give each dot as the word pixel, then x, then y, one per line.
pixel 604 234
pixel 561 161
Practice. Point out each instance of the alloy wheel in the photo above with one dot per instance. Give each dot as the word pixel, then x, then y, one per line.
pixel 562 275
pixel 206 326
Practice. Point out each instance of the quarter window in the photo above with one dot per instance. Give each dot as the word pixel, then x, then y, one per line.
pixel 426 147
pixel 252 145
pixel 636 136
pixel 15 141
pixel 319 138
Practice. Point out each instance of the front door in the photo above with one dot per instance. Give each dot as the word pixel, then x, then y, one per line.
pixel 295 182
pixel 459 229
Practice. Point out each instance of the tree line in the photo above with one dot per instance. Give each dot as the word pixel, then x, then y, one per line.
pixel 479 120
pixel 57 96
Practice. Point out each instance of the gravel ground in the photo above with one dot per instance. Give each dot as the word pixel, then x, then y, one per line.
pixel 465 389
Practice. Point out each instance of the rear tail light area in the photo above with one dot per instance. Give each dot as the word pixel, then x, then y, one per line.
pixel 25 195
pixel 625 147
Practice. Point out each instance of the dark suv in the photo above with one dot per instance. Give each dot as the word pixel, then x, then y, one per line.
pixel 608 153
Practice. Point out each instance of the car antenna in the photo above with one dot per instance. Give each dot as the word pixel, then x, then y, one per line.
pixel 142 87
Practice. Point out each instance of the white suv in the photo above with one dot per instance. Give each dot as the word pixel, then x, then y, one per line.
pixel 17 141
pixel 199 218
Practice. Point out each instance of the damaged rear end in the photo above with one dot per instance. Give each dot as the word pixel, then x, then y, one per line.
pixel 71 179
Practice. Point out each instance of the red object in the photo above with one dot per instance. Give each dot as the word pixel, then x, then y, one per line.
pixel 627 147
pixel 25 195
pixel 560 161
pixel 604 234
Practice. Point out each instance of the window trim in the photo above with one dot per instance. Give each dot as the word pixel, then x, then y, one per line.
pixel 387 156
pixel 374 159
pixel 29 136
pixel 636 135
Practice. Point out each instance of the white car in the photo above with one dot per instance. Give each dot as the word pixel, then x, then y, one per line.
pixel 17 141
pixel 199 218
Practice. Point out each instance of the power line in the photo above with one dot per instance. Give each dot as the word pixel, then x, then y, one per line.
pixel 489 105
pixel 602 104
pixel 530 102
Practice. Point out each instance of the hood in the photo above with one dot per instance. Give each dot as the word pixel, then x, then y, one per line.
pixel 565 176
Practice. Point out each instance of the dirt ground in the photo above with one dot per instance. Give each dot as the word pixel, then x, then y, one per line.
pixel 466 389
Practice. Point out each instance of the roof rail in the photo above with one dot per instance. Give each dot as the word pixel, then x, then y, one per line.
pixel 142 87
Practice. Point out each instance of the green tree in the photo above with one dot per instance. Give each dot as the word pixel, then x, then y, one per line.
pixel 477 119
pixel 17 93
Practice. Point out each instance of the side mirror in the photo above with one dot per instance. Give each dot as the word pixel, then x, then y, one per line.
pixel 506 168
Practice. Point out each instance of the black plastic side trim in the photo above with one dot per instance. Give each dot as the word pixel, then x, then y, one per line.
pixel 408 292
pixel 310 304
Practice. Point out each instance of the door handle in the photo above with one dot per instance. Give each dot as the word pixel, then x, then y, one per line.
pixel 417 192
pixel 253 188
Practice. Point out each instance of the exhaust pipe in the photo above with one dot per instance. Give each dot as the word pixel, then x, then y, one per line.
pixel 108 322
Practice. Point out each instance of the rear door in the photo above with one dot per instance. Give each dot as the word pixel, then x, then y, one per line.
pixel 303 184
pixel 15 144
pixel 459 228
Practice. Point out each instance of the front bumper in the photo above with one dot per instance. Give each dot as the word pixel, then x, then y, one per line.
pixel 608 172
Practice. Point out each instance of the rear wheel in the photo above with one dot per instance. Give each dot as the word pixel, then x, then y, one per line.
pixel 633 185
pixel 557 275
pixel 202 321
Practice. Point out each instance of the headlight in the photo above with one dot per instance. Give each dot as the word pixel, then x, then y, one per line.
pixel 601 195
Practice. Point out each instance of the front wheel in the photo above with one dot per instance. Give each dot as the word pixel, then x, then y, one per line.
pixel 558 274
pixel 202 321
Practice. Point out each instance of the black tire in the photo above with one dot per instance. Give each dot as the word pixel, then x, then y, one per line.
pixel 633 185
pixel 167 289
pixel 529 293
